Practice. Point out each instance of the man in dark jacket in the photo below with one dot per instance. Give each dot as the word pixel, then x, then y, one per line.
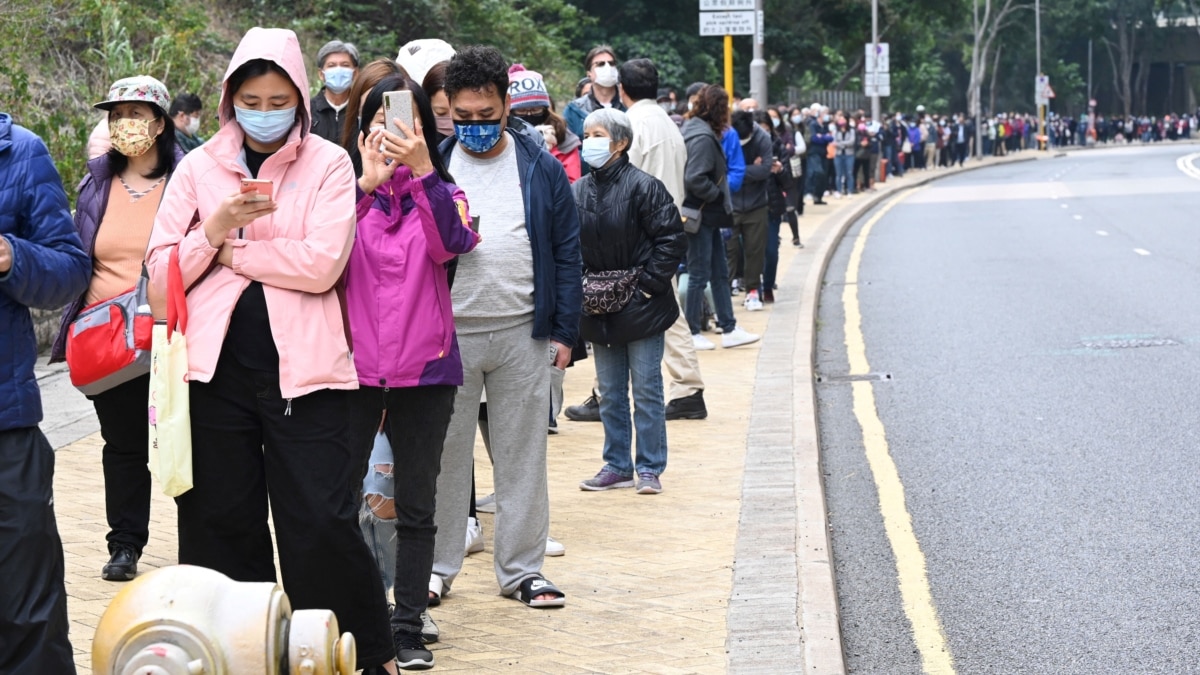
pixel 746 249
pixel 517 302
pixel 42 264
pixel 337 65
pixel 601 65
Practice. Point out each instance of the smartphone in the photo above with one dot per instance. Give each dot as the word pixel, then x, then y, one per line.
pixel 475 224
pixel 398 105
pixel 265 189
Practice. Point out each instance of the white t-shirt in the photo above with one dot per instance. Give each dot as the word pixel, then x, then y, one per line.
pixel 493 288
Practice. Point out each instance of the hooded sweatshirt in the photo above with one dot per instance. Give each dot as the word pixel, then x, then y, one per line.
pixel 297 253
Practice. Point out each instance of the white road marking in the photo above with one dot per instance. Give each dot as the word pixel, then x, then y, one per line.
pixel 1186 164
pixel 1141 251
pixel 1065 206
pixel 1077 217
pixel 1102 233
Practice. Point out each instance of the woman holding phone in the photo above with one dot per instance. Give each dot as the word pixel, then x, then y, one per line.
pixel 412 221
pixel 269 362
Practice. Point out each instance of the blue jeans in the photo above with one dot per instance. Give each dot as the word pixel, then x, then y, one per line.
pixel 771 268
pixel 616 365
pixel 706 262
pixel 816 177
pixel 893 157
pixel 844 181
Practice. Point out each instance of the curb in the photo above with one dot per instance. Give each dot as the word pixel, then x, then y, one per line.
pixel 783 611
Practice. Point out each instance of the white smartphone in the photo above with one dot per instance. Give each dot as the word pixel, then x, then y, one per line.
pixel 398 105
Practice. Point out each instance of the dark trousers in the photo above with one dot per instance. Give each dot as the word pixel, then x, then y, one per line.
pixel 249 446
pixel 771 267
pixel 122 414
pixel 417 419
pixel 960 153
pixel 745 250
pixel 33 599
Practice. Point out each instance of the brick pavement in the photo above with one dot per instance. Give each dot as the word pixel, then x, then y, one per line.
pixel 648 578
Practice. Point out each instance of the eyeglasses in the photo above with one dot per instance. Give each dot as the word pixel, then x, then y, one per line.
pixel 597 64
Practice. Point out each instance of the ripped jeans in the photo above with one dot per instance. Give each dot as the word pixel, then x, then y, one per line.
pixel 417 419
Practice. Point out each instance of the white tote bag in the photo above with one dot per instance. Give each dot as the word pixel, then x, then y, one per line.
pixel 170 406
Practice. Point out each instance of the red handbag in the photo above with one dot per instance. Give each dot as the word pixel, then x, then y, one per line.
pixel 108 344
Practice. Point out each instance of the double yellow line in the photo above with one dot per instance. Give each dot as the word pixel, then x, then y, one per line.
pixel 897 522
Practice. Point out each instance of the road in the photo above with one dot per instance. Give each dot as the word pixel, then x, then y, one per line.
pixel 1035 332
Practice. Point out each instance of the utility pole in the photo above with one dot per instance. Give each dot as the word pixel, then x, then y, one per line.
pixel 1037 26
pixel 758 66
pixel 876 114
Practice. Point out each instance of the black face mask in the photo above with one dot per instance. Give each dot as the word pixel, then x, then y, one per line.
pixel 537 119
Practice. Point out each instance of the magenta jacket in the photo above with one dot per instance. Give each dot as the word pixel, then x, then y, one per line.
pixel 397 292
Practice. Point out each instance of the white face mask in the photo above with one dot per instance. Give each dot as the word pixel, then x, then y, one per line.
pixel 193 126
pixel 606 76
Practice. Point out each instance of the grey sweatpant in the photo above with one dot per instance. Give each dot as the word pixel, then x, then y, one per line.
pixel 515 370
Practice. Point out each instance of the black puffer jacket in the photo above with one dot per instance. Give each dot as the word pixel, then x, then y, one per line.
pixel 627 219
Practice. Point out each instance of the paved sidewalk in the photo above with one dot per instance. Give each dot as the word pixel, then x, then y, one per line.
pixel 649 579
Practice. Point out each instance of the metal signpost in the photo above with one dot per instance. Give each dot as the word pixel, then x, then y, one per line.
pixel 1042 93
pixel 728 18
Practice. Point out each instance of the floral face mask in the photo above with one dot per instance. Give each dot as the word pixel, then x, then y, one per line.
pixel 131 137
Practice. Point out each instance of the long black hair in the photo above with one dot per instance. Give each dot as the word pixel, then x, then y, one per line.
pixel 424 110
pixel 164 147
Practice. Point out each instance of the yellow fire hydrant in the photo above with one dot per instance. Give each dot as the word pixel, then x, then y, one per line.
pixel 187 620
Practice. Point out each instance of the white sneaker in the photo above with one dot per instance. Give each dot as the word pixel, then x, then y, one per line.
pixel 554 547
pixel 737 337
pixel 474 536
pixel 701 343
pixel 752 303
pixel 486 504
pixel 808 199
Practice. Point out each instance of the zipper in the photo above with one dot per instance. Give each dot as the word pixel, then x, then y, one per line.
pixel 288 411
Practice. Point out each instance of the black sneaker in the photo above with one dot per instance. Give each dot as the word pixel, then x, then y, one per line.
pixel 122 566
pixel 411 653
pixel 688 408
pixel 588 411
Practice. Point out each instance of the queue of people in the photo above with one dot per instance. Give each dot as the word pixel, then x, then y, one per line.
pixel 366 292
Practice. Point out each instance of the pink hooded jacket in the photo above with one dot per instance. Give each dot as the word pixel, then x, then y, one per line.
pixel 298 253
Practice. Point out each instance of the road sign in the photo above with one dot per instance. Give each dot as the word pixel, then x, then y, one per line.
pixel 1042 93
pixel 725 5
pixel 877 60
pixel 727 23
pixel 877 84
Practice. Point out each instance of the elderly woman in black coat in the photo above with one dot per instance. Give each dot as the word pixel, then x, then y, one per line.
pixel 632 241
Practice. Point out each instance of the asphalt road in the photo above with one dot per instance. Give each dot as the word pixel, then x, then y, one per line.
pixel 1041 324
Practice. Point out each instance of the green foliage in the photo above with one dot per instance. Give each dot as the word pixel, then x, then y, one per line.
pixel 86 46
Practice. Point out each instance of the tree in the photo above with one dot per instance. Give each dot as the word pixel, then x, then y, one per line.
pixel 984 31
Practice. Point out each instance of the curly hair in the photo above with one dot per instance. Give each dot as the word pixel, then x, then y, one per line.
pixel 712 106
pixel 477 68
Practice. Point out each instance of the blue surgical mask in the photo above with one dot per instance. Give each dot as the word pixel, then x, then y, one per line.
pixel 596 151
pixel 338 79
pixel 796 119
pixel 478 137
pixel 266 127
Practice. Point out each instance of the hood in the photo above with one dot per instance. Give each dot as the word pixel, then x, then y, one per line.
pixel 6 124
pixel 569 143
pixel 694 127
pixel 277 45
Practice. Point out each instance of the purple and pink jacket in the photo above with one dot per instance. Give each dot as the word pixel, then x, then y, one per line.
pixel 397 291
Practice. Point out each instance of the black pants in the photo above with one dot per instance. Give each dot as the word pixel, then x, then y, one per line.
pixel 417 418
pixel 33 599
pixel 247 449
pixel 122 414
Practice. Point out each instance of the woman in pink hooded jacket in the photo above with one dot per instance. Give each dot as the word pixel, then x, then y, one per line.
pixel 268 358
pixel 412 222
